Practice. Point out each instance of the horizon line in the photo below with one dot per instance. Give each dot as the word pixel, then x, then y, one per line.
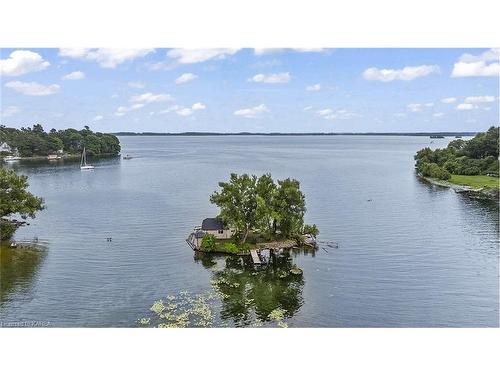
pixel 447 133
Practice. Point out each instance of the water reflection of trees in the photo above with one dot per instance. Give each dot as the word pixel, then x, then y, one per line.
pixel 249 294
pixel 18 269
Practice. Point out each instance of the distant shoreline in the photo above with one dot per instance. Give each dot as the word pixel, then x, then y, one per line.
pixel 422 134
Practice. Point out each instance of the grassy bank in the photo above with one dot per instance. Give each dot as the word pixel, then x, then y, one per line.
pixel 475 181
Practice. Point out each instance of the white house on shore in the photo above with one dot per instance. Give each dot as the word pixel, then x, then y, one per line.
pixel 4 147
pixel 210 225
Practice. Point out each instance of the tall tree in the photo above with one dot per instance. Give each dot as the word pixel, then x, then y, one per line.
pixel 238 204
pixel 265 195
pixel 290 207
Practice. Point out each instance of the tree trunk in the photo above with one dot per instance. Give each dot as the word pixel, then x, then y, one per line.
pixel 245 235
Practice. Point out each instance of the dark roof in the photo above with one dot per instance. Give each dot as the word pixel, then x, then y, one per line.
pixel 212 223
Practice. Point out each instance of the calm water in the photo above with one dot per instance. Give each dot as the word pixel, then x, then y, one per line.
pixel 410 254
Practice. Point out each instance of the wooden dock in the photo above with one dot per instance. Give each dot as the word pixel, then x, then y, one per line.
pixel 255 256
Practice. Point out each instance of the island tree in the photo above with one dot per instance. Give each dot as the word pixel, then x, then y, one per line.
pixel 248 203
pixel 238 202
pixel 15 199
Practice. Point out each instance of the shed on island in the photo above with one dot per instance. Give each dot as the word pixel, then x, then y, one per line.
pixel 210 225
pixel 215 226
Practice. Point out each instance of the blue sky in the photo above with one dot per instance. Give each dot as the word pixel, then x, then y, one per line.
pixel 234 90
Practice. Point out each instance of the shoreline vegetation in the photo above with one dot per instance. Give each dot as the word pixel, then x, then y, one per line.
pixel 35 143
pixel 470 167
pixel 260 213
pixel 16 201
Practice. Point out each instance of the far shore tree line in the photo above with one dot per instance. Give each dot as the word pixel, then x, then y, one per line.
pixel 35 141
pixel 477 156
pixel 259 205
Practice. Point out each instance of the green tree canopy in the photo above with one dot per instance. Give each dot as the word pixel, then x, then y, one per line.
pixel 238 202
pixel 476 156
pixel 36 142
pixel 15 199
pixel 248 203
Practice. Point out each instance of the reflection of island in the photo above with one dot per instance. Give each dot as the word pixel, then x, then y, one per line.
pixel 18 268
pixel 250 294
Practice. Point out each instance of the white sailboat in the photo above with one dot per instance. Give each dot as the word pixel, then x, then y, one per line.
pixel 83 164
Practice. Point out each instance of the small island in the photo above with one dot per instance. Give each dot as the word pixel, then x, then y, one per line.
pixel 35 143
pixel 256 213
pixel 467 166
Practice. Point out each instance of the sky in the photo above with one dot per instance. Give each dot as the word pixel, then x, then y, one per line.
pixel 251 90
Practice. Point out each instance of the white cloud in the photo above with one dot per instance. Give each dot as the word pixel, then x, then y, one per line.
pixel 408 73
pixel 186 77
pixel 315 87
pixel 267 51
pixel 149 97
pixel 98 118
pixel 9 111
pixel 198 106
pixel 185 112
pixel 21 62
pixel 105 57
pixel 254 112
pixel 139 101
pixel 189 111
pixel 479 99
pixel 305 50
pixel 418 107
pixel 484 65
pixel 136 85
pixel 466 106
pixel 448 100
pixel 33 88
pixel 270 51
pixel 271 78
pixel 308 108
pixel 74 75
pixel 120 111
pixel 438 114
pixel 74 52
pixel 339 114
pixel 192 56
pixel 414 107
pixel 172 108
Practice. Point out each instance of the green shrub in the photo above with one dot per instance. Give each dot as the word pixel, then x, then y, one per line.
pixel 433 170
pixel 438 172
pixel 244 247
pixel 208 242
pixel 310 229
pixel 230 247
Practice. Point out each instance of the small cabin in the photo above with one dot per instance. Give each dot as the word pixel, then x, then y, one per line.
pixel 215 226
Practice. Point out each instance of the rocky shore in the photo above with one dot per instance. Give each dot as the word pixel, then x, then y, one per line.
pixel 478 193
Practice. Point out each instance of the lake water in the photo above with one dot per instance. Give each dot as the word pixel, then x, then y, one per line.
pixel 410 254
